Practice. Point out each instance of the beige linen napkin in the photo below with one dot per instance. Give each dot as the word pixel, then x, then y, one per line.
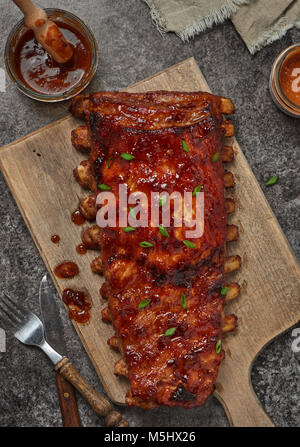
pixel 264 21
pixel 187 18
pixel 259 22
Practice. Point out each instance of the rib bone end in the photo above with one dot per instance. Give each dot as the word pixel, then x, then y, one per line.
pixel 121 368
pixel 232 263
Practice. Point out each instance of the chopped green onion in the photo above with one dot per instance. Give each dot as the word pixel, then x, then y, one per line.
pixel 146 244
pixel 110 161
pixel 104 187
pixel 132 212
pixel 215 157
pixel 127 156
pixel 162 200
pixel 163 231
pixel 170 331
pixel 272 180
pixel 224 290
pixel 143 304
pixel 218 346
pixel 189 244
pixel 128 229
pixel 183 301
pixel 196 190
pixel 184 146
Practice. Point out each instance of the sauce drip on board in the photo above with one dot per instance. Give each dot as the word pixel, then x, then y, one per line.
pixel 290 76
pixel 66 270
pixel 39 71
pixel 55 239
pixel 81 249
pixel 79 306
pixel 78 218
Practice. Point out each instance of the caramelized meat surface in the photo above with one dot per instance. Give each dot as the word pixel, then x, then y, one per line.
pixel 164 297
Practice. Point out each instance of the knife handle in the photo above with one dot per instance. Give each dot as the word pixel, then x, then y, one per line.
pixel 99 404
pixel 67 402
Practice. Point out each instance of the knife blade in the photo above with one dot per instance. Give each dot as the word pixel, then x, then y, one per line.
pixel 55 337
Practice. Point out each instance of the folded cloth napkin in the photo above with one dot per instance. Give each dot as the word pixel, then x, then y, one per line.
pixel 259 22
pixel 187 18
pixel 264 21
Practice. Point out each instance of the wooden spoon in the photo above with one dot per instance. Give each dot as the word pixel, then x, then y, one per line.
pixel 46 32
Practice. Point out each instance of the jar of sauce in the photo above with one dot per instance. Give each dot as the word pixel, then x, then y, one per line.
pixel 285 81
pixel 37 74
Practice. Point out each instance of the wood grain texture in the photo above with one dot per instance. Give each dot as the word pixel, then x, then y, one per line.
pixel 269 303
pixel 99 403
pixel 67 402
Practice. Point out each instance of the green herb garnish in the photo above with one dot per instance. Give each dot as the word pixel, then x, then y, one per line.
pixel 146 244
pixel 170 331
pixel 162 200
pixel 127 156
pixel 110 161
pixel 189 244
pixel 163 231
pixel 128 229
pixel 218 346
pixel 272 180
pixel 196 190
pixel 224 290
pixel 132 212
pixel 104 187
pixel 143 304
pixel 184 146
pixel 215 157
pixel 183 300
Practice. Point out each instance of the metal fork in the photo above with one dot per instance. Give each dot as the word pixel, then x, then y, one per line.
pixel 29 329
pixel 25 326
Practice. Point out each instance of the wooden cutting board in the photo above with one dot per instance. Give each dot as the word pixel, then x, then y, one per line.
pixel 38 169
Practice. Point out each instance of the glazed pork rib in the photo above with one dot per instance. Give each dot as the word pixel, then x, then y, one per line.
pixel 166 293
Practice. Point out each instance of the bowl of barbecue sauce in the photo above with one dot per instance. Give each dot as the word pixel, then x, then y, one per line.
pixel 285 81
pixel 37 74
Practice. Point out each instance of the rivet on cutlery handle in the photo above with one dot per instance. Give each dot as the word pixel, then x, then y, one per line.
pixel 98 403
pixel 67 402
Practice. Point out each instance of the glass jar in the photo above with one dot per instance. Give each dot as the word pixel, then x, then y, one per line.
pixel 278 93
pixel 57 15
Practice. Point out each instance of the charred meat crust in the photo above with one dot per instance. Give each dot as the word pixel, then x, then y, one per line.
pixel 176 370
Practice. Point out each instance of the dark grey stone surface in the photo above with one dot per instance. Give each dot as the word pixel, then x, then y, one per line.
pixel 131 49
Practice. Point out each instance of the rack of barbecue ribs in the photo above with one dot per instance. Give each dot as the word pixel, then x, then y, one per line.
pixel 166 294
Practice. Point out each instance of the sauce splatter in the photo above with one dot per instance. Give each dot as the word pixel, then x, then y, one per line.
pixel 81 249
pixel 66 270
pixel 55 239
pixel 78 304
pixel 78 218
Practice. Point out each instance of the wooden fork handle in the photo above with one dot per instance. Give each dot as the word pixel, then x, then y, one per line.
pixel 99 404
